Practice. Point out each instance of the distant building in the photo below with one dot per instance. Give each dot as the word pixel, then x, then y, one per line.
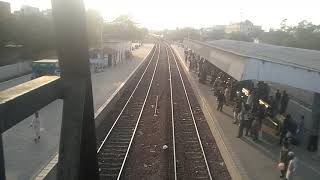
pixel 115 48
pixel 245 27
pixel 218 27
pixel 5 10
pixel 214 28
pixel 29 10
pixel 47 13
pixel 16 13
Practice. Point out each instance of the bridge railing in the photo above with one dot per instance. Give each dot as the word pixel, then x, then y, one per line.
pixel 77 153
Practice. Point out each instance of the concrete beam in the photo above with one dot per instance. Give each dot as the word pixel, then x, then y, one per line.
pixel 18 103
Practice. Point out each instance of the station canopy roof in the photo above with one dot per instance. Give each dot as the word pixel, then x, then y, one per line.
pixel 299 68
pixel 294 56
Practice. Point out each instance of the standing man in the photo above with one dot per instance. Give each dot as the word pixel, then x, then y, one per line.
pixel 244 118
pixel 284 102
pixel 35 124
pixel 200 70
pixel 227 92
pixel 213 76
pixel 292 166
pixel 284 160
pixel 185 54
pixel 273 103
pixel 278 98
pixel 221 100
pixel 285 128
pixel 300 130
pixel 237 109
pixel 250 100
pixel 216 85
pixel 190 61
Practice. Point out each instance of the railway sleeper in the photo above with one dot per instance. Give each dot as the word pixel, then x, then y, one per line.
pixel 110 164
pixel 202 172
pixel 108 175
pixel 112 159
pixel 119 141
pixel 201 177
pixel 113 154
pixel 192 141
pixel 122 129
pixel 114 147
pixel 193 153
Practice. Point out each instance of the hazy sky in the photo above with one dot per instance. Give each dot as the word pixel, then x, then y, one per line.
pixel 160 14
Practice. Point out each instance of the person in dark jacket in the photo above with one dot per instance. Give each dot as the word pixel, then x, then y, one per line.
pixel 285 128
pixel 300 130
pixel 237 109
pixel 221 100
pixel 277 99
pixel 243 118
pixel 284 102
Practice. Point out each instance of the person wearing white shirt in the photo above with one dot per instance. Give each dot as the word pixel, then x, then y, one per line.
pixel 35 124
pixel 292 166
pixel 250 100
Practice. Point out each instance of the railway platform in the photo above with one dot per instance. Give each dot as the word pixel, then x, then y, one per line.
pixel 19 147
pixel 252 160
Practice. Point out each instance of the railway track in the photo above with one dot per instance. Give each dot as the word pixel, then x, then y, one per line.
pixel 155 134
pixel 189 157
pixel 114 149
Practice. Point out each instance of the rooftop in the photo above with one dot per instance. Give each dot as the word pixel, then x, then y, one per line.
pixel 302 58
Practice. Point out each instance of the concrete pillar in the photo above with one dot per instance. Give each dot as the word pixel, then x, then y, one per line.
pixel 77 149
pixel 109 60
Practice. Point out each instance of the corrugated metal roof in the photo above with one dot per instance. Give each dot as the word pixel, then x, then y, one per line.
pixel 309 59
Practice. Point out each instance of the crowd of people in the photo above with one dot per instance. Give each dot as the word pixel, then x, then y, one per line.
pixel 248 112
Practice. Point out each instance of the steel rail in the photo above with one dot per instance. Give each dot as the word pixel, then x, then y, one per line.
pixel 144 103
pixel 124 107
pixel 192 115
pixel 172 121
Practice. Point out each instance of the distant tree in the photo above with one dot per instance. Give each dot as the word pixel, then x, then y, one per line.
pixel 183 33
pixel 124 27
pixel 305 35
